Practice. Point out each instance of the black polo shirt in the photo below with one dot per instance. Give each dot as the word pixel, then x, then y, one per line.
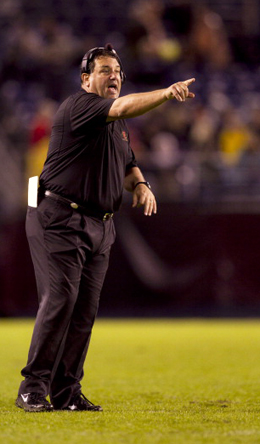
pixel 88 157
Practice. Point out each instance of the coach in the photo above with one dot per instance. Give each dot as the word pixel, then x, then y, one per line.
pixel 70 232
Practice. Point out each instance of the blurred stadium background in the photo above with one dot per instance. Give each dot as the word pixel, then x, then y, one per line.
pixel 200 255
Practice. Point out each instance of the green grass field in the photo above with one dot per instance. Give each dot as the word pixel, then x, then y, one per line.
pixel 159 381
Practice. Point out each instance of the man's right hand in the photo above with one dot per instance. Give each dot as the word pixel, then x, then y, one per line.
pixel 180 91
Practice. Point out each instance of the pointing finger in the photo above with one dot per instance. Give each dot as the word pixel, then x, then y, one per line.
pixel 189 81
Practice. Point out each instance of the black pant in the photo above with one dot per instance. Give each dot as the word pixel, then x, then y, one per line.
pixel 70 253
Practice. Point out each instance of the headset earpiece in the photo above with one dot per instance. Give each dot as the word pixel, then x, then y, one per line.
pixel 88 57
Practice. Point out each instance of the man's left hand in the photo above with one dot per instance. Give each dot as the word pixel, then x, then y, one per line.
pixel 142 196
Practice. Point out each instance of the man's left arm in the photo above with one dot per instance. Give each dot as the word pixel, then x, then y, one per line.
pixel 142 194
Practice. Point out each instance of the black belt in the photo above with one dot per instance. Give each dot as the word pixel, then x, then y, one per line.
pixel 75 206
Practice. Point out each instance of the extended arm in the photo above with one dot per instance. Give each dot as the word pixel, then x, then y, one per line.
pixel 133 105
pixel 142 195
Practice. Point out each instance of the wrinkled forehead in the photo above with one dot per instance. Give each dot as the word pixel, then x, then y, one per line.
pixel 106 61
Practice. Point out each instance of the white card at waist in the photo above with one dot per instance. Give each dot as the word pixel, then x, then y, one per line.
pixel 33 191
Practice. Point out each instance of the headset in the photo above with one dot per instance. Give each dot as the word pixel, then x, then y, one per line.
pixel 94 52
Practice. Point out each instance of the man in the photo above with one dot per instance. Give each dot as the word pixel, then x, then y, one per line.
pixel 70 233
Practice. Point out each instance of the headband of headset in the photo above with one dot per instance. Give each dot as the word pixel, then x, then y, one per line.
pixel 94 52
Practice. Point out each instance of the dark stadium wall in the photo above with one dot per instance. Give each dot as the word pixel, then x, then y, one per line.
pixel 181 262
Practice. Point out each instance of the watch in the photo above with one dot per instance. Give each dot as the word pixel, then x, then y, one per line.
pixel 144 183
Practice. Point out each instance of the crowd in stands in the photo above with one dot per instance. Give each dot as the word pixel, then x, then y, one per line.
pixel 203 150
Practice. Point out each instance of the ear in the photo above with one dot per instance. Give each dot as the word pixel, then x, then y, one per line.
pixel 85 79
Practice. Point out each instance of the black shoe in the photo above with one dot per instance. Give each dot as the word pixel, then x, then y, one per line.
pixel 33 402
pixel 80 402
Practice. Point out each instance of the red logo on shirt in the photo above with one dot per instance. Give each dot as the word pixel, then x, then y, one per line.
pixel 124 136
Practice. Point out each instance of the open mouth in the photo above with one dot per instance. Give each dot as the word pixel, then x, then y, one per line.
pixel 112 88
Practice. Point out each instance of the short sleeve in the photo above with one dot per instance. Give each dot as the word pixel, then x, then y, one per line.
pixel 131 160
